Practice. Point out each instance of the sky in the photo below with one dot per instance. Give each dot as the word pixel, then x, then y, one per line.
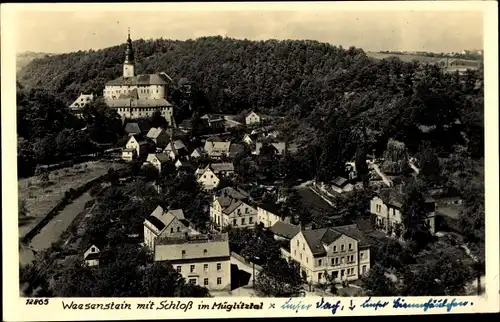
pixel 61 29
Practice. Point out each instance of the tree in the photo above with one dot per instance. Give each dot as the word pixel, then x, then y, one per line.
pixel 43 176
pixel 430 167
pixel 157 120
pixel 362 167
pixel 377 283
pixel 279 278
pixel 414 212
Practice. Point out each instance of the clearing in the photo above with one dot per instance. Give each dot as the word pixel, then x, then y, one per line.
pixel 40 200
pixel 423 59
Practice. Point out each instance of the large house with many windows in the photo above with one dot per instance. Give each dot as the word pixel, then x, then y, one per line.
pixel 340 254
pixel 231 207
pixel 203 259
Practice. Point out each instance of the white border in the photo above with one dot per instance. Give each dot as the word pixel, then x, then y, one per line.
pixel 14 307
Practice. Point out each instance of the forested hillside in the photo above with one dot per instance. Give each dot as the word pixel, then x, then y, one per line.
pixel 321 85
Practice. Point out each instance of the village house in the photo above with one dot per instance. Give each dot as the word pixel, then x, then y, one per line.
pixel 182 164
pixel 163 223
pixel 222 169
pixel 279 147
pixel 230 207
pixel 83 100
pixel 284 231
pixel 202 259
pixel 249 139
pixel 217 149
pixel 207 178
pixel 341 252
pixel 133 129
pixel 176 149
pixel 91 256
pixel 158 136
pixel 340 184
pixel 268 214
pixel 386 209
pixel 134 144
pixel 197 153
pixel 252 118
pixel 157 160
pixel 214 121
pixel 235 150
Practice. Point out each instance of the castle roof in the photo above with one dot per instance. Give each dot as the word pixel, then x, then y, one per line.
pixel 145 79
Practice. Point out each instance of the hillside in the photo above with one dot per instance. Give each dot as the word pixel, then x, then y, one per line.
pixel 23 59
pixel 313 83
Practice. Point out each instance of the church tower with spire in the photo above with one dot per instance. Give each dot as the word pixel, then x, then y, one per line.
pixel 128 64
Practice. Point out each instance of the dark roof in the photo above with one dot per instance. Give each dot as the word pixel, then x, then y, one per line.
pixel 271 207
pixel 186 124
pixel 93 256
pixel 156 222
pixel 340 182
pixel 148 79
pixel 132 128
pixel 283 229
pixel 325 236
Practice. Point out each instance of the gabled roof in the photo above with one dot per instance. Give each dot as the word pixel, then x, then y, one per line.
pixel 319 239
pixel 286 230
pixel 145 79
pixel 154 132
pixel 162 157
pixel 133 128
pixel 217 147
pixel 218 167
pixel 196 151
pixel 175 145
pixel 161 219
pixel 270 207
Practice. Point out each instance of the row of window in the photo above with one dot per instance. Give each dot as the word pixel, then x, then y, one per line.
pixel 342 247
pixel 250 221
pixel 192 268
pixel 343 272
pixel 139 109
pixel 335 261
pixel 192 281
pixel 126 91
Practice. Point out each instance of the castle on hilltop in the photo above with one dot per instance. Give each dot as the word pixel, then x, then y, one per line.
pixel 135 96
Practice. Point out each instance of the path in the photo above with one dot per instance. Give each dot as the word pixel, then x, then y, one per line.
pixel 54 229
pixel 386 180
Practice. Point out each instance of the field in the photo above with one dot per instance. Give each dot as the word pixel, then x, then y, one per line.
pixel 423 59
pixel 39 200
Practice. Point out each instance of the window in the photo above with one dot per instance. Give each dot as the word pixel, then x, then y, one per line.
pixel 183 253
pixel 350 246
pixel 179 269
pixel 379 208
pixel 171 230
pixel 320 275
pixel 336 274
pixel 219 280
pixel 205 282
pixel 211 176
pixel 239 211
pixel 342 272
pixel 361 255
pixel 205 252
pixel 307 259
pixel 294 252
pixel 219 266
pixel 250 220
pixel 242 221
pixel 178 229
pixel 335 249
pixel 364 269
pixel 205 176
pixel 300 255
pixel 93 250
pixel 191 268
pixel 303 246
pixel 342 247
pixel 205 267
pixel 192 281
pixel 297 242
pixel 333 261
pixel 342 260
pixel 234 222
pixel 320 262
pixel 247 210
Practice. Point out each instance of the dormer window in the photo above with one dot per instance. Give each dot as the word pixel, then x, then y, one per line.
pixel 183 253
pixel 205 252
